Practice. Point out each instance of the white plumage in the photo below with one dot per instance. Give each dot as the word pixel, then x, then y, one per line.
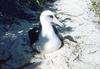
pixel 48 40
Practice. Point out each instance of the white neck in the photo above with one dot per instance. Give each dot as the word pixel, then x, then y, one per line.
pixel 47 29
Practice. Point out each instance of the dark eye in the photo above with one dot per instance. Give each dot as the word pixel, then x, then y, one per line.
pixel 51 16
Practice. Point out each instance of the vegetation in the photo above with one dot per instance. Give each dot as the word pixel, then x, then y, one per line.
pixel 96 8
pixel 21 9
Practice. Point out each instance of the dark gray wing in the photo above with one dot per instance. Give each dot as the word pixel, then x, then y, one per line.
pixel 33 37
pixel 34 34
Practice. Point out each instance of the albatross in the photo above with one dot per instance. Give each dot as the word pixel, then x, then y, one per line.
pixel 48 40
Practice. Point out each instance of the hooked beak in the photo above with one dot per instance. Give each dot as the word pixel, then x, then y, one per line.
pixel 57 22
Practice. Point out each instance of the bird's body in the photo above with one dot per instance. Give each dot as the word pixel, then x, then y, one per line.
pixel 48 41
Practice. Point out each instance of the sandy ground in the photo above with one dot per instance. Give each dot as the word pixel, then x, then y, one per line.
pixel 85 53
pixel 15 52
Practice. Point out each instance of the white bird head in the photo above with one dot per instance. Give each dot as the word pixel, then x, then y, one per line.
pixel 49 16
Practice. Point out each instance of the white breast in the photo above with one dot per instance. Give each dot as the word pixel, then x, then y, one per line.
pixel 48 40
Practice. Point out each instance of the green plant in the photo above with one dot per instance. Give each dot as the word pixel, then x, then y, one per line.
pixel 96 8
